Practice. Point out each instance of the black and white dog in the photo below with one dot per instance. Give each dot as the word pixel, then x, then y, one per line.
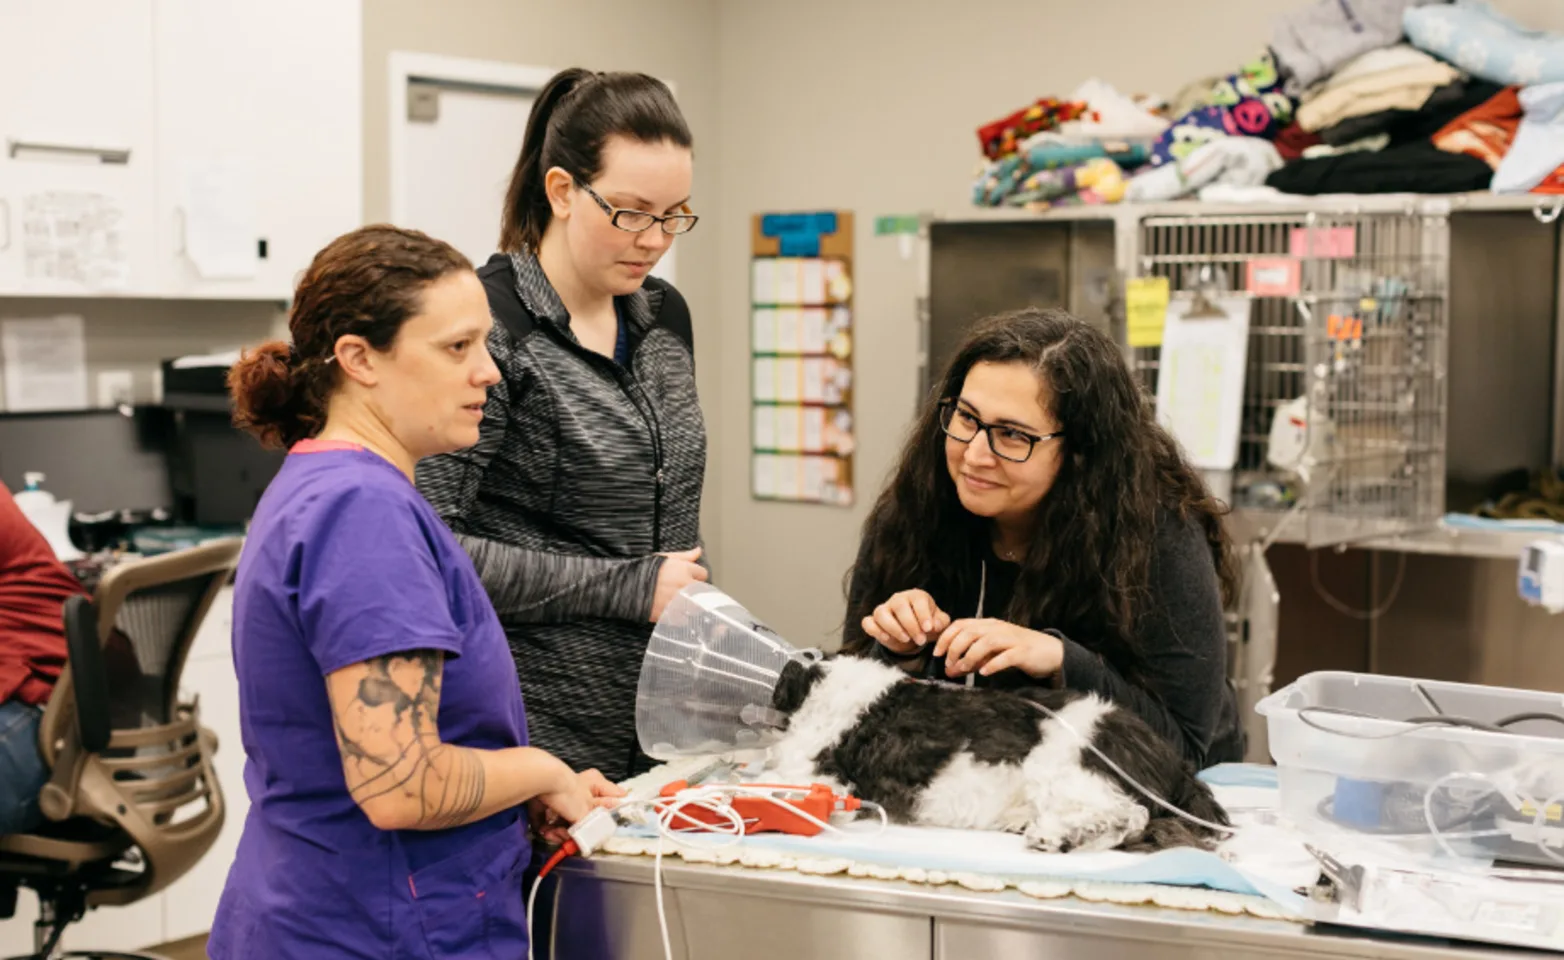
pixel 942 755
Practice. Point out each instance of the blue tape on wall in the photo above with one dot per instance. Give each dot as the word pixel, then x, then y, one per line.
pixel 798 245
pixel 776 224
pixel 798 234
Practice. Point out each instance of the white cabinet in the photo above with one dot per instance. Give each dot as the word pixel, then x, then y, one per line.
pixel 259 105
pixel 76 153
pixel 134 133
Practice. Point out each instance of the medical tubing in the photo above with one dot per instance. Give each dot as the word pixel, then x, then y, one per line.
pixel 1145 791
pixel 1441 838
pixel 567 849
pixel 714 799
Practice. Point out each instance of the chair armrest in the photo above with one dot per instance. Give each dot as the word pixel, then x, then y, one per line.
pixel 90 684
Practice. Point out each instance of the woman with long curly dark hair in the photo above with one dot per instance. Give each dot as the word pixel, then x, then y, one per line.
pixel 1041 527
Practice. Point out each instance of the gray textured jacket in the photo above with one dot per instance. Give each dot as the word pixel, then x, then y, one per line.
pixel 583 473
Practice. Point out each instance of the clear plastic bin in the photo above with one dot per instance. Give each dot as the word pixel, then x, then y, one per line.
pixel 1350 762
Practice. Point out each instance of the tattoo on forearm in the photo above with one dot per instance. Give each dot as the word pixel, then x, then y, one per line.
pixel 391 744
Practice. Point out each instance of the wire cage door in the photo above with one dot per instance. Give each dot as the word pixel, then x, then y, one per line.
pixel 1349 348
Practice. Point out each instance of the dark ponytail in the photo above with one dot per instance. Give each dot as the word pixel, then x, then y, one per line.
pixel 368 282
pixel 574 115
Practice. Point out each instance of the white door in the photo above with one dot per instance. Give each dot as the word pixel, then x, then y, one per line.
pixel 259 128
pixel 76 147
pixel 458 162
pixel 456 133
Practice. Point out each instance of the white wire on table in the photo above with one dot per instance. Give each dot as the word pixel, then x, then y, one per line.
pixel 716 799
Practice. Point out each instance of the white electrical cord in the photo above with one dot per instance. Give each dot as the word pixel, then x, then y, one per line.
pixel 675 809
pixel 716 799
pixel 532 899
pixel 1539 819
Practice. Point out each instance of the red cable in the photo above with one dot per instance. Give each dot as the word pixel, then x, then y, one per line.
pixel 569 849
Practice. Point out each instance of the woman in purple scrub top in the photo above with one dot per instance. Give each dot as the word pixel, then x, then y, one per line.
pixel 388 765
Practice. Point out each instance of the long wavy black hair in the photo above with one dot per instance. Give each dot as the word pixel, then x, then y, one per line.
pixel 1087 566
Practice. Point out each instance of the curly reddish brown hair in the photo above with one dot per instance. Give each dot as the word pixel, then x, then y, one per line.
pixel 365 283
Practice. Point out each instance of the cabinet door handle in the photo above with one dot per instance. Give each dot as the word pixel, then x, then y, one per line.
pixel 7 205
pixel 104 154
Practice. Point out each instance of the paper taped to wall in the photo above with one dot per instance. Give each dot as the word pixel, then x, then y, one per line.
pixel 75 239
pixel 45 363
pixel 218 203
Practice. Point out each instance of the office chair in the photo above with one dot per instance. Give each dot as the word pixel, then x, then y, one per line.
pixel 126 758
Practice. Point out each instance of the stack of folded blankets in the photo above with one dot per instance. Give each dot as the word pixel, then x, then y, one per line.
pixel 1413 96
pixel 1061 152
pixel 1367 96
pixel 1223 140
pixel 1462 99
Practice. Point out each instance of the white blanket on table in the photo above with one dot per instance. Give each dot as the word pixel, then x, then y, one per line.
pixel 1251 873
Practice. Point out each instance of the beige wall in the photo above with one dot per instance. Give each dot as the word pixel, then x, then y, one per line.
pixel 872 107
pixel 862 105
pixel 675 40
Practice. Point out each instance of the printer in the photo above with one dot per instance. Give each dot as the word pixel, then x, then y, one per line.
pixel 217 471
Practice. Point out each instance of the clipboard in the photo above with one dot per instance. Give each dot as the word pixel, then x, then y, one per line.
pixel 1203 365
pixel 1209 285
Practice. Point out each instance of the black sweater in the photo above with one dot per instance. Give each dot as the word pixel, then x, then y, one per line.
pixel 1185 694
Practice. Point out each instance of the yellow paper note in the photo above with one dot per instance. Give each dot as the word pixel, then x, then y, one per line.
pixel 1145 310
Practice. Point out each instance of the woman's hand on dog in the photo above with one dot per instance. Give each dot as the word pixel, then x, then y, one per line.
pixel 989 646
pixel 906 622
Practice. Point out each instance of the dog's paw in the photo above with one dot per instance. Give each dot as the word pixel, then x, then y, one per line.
pixel 1046 835
pixel 1111 832
pixel 1104 830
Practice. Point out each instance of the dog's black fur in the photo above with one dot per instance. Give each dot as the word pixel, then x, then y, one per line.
pixel 909 735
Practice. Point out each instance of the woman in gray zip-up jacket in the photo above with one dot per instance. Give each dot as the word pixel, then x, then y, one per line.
pixel 580 504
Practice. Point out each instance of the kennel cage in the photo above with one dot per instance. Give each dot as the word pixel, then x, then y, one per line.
pixel 1362 345
pixel 1457 375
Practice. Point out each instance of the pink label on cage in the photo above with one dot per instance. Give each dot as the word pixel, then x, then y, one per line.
pixel 1330 243
pixel 1274 277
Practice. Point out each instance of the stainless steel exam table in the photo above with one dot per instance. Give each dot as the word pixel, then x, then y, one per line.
pixel 605 909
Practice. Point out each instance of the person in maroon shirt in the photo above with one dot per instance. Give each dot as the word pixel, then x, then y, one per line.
pixel 33 589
